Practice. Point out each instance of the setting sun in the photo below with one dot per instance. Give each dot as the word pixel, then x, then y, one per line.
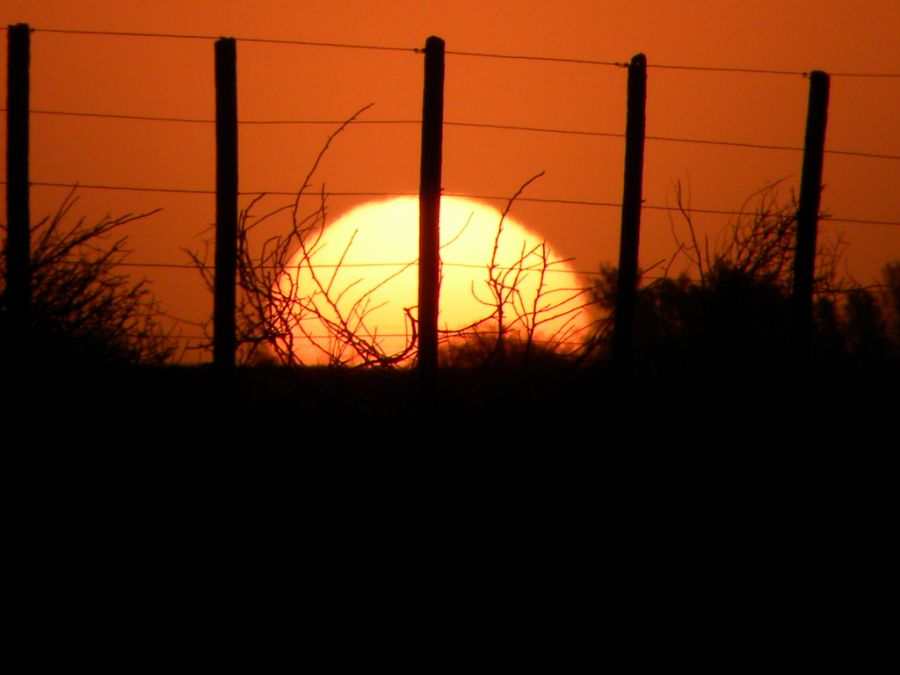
pixel 354 286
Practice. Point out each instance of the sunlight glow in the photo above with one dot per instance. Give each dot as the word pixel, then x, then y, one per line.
pixel 360 277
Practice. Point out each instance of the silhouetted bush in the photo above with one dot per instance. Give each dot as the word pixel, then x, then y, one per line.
pixel 729 311
pixel 891 298
pixel 82 309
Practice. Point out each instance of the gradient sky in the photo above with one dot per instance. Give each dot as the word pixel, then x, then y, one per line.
pixel 174 78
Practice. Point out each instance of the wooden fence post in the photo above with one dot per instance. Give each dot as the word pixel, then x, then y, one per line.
pixel 430 208
pixel 807 224
pixel 626 287
pixel 224 341
pixel 18 233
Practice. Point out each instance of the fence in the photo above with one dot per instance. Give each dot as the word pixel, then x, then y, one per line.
pixel 227 123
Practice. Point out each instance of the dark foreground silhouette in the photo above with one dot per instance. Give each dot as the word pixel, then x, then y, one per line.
pixel 563 446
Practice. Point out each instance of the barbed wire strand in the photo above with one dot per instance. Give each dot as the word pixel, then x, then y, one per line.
pixel 475 54
pixel 259 40
pixel 503 268
pixel 474 125
pixel 534 200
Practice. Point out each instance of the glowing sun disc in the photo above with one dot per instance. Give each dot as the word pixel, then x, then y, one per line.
pixel 360 277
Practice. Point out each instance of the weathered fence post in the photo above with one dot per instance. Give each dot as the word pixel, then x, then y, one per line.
pixel 18 233
pixel 626 287
pixel 807 224
pixel 224 342
pixel 430 208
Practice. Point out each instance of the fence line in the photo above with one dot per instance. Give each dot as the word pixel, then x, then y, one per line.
pixel 635 205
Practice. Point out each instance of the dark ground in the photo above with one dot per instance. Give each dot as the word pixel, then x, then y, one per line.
pixel 367 446
pixel 720 521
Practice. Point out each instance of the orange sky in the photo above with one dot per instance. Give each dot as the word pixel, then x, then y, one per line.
pixel 165 77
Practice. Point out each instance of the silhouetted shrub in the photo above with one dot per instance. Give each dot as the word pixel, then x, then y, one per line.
pixel 730 310
pixel 82 309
